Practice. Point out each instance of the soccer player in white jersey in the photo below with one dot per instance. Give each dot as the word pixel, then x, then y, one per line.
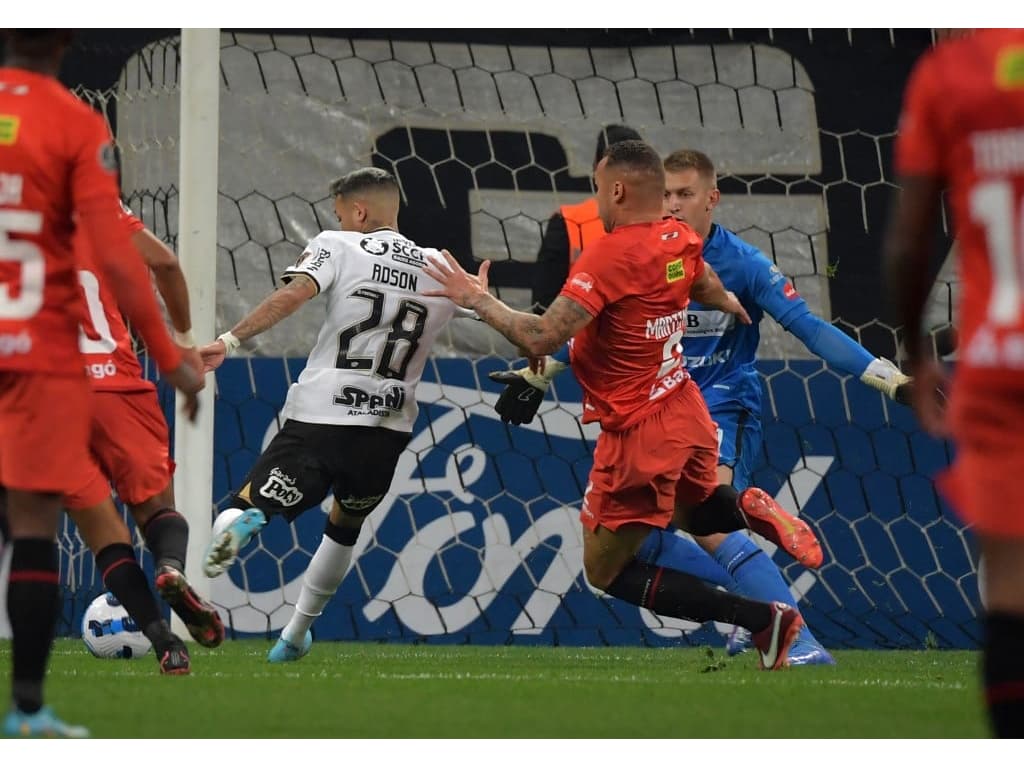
pixel 351 413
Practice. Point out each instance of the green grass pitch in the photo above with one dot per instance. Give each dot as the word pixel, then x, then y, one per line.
pixel 423 691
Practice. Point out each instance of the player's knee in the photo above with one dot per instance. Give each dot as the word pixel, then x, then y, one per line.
pixel 345 533
pixel 599 572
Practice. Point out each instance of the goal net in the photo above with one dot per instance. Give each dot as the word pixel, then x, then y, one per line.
pixel 479 539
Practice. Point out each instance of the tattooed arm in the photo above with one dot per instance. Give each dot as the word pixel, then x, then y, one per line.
pixel 532 334
pixel 536 335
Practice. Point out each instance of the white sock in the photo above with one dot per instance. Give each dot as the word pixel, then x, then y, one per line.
pixel 322 579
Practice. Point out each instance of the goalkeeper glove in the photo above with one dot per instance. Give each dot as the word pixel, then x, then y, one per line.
pixel 884 376
pixel 524 390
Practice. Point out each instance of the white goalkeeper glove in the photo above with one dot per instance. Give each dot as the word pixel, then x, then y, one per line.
pixel 884 376
pixel 524 390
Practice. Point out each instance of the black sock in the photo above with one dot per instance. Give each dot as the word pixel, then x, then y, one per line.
pixel 33 598
pixel 166 536
pixel 124 577
pixel 718 513
pixel 1003 671
pixel 682 596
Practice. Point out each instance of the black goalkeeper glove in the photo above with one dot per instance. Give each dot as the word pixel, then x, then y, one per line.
pixel 524 391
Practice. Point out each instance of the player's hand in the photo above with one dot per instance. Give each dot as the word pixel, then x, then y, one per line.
pixel 732 306
pixel 522 396
pixel 457 284
pixel 930 384
pixel 887 378
pixel 192 357
pixel 213 355
pixel 187 380
pixel 525 388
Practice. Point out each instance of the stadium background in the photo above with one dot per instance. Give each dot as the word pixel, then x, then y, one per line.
pixel 488 132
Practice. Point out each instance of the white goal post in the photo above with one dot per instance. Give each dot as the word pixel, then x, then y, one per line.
pixel 197 251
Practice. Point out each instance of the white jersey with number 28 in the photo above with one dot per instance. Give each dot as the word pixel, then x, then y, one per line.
pixel 371 349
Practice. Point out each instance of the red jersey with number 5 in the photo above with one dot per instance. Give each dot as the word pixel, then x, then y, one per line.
pixel 104 340
pixel 55 156
pixel 963 121
pixel 636 282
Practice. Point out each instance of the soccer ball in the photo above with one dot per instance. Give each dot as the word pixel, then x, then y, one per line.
pixel 110 633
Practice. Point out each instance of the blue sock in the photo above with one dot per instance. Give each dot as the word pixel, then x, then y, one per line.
pixel 680 553
pixel 756 575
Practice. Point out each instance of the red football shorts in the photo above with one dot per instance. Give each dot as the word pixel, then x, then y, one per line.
pixel 640 474
pixel 984 481
pixel 129 446
pixel 44 431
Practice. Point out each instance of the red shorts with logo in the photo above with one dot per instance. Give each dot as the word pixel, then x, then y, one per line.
pixel 640 473
pixel 984 480
pixel 44 430
pixel 129 446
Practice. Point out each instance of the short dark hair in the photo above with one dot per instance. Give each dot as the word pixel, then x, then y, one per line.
pixel 634 155
pixel 36 42
pixel 612 134
pixel 685 159
pixel 364 180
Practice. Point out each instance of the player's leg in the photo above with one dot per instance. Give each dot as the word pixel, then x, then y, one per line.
pixel 1003 663
pixel 166 533
pixel 44 433
pixel 633 484
pixel 131 443
pixel 287 479
pixel 755 573
pixel 363 461
pixel 105 533
pixel 983 477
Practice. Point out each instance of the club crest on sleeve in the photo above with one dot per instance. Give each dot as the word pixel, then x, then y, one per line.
pixel 373 246
pixel 675 270
pixel 108 157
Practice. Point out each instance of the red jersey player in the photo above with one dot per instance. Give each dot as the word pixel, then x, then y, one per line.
pixel 962 128
pixel 56 163
pixel 624 306
pixel 130 450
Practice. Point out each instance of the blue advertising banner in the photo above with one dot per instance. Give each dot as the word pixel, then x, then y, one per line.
pixel 479 540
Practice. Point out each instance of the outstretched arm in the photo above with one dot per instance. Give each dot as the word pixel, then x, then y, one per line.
pixel 536 335
pixel 272 310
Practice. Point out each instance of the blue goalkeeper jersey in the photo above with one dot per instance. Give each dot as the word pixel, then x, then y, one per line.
pixel 719 350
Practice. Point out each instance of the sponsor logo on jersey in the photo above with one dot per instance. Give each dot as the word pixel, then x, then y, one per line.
pixel 674 271
pixel 11 185
pixel 374 246
pixel 776 274
pixel 703 361
pixel 407 253
pixel 1010 68
pixel 101 370
pixel 360 503
pixel 15 344
pixel 663 327
pixel 790 292
pixel 9 129
pixel 399 278
pixel 709 322
pixel 362 403
pixel 583 281
pixel 281 488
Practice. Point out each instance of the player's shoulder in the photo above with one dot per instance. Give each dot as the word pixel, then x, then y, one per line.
pixel 731 242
